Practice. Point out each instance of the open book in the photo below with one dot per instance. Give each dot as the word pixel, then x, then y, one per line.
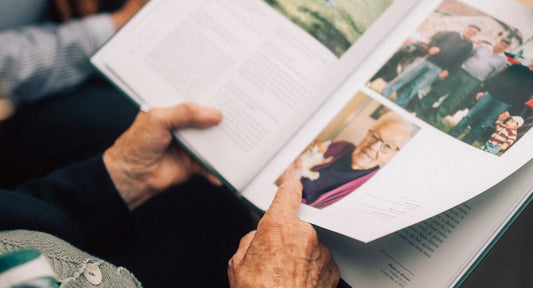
pixel 367 103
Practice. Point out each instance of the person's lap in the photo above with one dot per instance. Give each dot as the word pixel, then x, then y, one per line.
pixel 184 237
pixel 61 130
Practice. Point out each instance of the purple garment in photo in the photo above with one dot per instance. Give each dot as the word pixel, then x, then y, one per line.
pixel 337 178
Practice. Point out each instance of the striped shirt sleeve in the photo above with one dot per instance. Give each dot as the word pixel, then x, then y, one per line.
pixel 36 60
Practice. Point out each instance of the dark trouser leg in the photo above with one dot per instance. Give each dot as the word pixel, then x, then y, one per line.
pixel 61 130
pixel 426 78
pixel 405 78
pixel 445 108
pixel 460 127
pixel 424 105
pixel 184 237
pixel 475 113
pixel 438 90
pixel 462 89
pixel 486 120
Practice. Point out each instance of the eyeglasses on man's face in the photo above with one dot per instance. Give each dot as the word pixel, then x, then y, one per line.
pixel 385 147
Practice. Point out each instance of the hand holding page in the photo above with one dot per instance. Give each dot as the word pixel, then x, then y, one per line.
pixel 269 76
pixel 432 172
pixel 372 105
pixel 266 74
pixel 300 260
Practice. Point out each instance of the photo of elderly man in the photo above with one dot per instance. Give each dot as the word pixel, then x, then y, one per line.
pixel 343 157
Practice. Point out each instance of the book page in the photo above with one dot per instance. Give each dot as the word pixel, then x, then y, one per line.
pixel 371 164
pixel 266 64
pixel 437 252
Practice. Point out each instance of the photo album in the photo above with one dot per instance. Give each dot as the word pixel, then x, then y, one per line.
pixel 407 122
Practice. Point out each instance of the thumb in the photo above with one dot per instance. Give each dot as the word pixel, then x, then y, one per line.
pixel 243 247
pixel 287 200
pixel 189 114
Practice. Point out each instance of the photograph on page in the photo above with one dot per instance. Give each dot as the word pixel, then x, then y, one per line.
pixel 361 139
pixel 466 73
pixel 431 172
pixel 335 23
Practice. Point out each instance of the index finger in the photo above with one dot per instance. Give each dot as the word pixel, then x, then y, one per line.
pixel 287 200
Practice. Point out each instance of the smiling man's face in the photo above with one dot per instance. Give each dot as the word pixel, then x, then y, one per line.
pixel 380 145
pixel 499 47
pixel 470 32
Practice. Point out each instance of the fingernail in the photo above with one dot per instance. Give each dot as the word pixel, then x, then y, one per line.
pixel 145 107
pixel 217 113
pixel 215 181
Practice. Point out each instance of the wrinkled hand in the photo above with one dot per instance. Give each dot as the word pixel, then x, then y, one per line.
pixel 284 251
pixel 145 161
pixel 68 9
pixel 479 95
pixel 127 11
pixel 292 173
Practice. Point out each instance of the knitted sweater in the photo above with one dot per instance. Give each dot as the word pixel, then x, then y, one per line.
pixel 68 262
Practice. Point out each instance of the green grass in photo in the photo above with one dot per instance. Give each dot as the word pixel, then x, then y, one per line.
pixel 337 24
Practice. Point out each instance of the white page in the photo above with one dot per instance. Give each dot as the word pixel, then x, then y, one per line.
pixel 382 262
pixel 431 174
pixel 265 73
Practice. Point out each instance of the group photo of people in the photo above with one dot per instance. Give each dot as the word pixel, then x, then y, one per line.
pixel 353 147
pixel 466 73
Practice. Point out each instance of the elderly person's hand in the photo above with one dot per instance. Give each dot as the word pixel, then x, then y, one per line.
pixel 145 161
pixel 292 173
pixel 284 251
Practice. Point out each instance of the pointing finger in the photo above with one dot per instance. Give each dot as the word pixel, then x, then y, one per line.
pixel 287 199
